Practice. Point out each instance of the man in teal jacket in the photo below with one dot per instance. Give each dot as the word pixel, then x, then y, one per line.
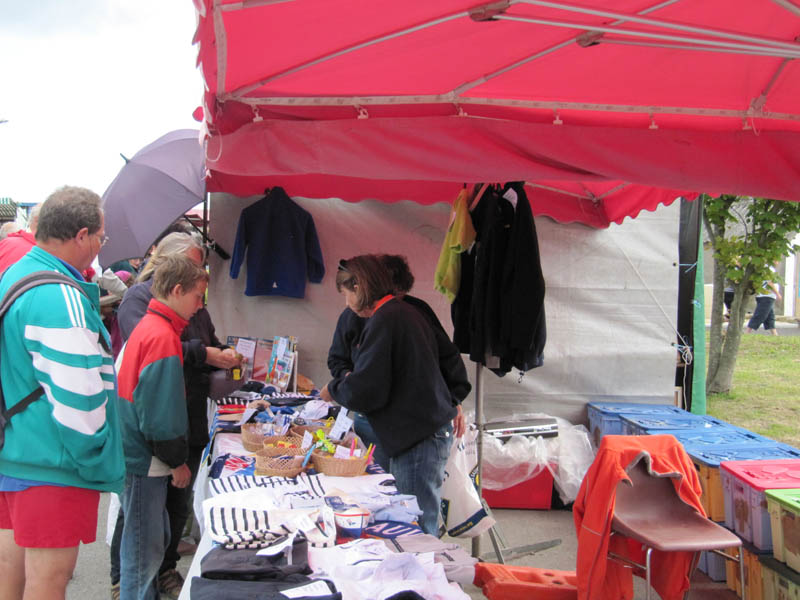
pixel 64 448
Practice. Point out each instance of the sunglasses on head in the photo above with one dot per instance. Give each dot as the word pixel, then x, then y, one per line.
pixel 343 266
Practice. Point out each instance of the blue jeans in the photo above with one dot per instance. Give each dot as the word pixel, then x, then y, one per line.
pixel 145 536
pixel 364 430
pixel 763 314
pixel 420 471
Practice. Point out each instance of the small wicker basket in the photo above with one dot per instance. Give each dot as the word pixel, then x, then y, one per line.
pixel 271 448
pixel 311 428
pixel 278 466
pixel 253 435
pixel 339 467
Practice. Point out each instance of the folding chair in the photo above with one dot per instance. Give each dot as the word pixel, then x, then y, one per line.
pixel 649 511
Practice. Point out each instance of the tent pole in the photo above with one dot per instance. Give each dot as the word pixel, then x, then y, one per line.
pixel 501 550
pixel 205 215
pixel 476 541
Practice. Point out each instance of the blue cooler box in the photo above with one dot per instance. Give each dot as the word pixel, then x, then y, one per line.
pixel 647 424
pixel 604 417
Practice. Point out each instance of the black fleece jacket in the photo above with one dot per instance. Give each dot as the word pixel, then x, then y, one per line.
pixel 347 336
pixel 396 381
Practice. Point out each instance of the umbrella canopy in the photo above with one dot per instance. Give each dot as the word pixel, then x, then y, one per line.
pixel 154 188
pixel 402 100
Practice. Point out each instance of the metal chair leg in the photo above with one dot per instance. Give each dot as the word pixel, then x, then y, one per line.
pixel 741 570
pixel 647 572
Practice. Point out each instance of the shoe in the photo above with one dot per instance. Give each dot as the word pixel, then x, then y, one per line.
pixel 170 584
pixel 115 591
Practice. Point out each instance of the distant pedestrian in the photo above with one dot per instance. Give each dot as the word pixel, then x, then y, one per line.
pixel 764 314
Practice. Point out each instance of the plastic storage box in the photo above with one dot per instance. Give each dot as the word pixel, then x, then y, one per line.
pixel 784 512
pixel 649 424
pixel 534 493
pixel 778 581
pixel 604 417
pixel 752 573
pixel 716 436
pixel 713 565
pixel 707 460
pixel 744 484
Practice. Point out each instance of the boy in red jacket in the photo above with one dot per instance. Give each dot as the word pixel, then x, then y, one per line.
pixel 154 422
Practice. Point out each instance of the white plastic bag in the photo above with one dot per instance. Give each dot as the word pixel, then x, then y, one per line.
pixel 567 456
pixel 462 509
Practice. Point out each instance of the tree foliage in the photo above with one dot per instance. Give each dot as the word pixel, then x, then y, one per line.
pixel 748 236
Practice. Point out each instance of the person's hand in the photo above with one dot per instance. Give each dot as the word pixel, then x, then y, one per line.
pixel 224 359
pixel 459 425
pixel 324 394
pixel 181 476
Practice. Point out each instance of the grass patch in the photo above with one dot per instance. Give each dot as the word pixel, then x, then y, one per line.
pixel 765 395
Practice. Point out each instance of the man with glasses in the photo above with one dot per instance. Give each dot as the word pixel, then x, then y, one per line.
pixel 64 448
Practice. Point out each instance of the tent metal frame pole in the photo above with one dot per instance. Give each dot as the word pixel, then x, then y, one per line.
pixel 531 104
pixel 501 550
pixel 788 5
pixel 678 46
pixel 730 35
pixel 792 51
pixel 485 78
pixel 244 90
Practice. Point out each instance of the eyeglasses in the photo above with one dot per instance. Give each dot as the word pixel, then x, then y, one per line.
pixel 103 239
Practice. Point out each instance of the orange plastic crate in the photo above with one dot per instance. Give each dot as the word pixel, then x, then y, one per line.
pixel 501 582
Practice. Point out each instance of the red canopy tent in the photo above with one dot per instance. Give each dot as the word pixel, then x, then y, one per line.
pixel 605 107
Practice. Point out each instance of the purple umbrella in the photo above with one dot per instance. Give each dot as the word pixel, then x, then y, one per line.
pixel 159 184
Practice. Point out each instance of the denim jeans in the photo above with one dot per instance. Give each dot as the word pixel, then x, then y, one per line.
pixel 364 430
pixel 178 510
pixel 420 471
pixel 763 314
pixel 144 537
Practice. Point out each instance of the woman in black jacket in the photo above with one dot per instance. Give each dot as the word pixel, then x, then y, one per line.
pixel 397 383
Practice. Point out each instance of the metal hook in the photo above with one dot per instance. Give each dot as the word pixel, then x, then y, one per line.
pixel 652 122
pixel 557 120
pixel 362 112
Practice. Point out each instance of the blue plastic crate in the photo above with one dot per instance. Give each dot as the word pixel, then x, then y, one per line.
pixel 712 456
pixel 604 417
pixel 715 436
pixel 650 424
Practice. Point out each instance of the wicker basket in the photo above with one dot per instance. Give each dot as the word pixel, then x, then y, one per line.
pixel 299 430
pixel 272 466
pixel 253 435
pixel 339 467
pixel 276 450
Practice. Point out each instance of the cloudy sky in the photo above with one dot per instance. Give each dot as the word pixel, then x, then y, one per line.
pixel 82 81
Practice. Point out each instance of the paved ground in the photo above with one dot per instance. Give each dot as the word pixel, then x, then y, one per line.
pixel 518 527
pixel 784 326
pixel 91 579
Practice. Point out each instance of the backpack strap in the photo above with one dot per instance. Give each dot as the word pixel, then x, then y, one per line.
pixel 16 290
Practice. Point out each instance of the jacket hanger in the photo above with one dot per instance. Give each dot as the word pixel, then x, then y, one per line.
pixel 479 195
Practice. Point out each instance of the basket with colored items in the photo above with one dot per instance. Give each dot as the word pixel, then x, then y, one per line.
pixel 282 445
pixel 339 467
pixel 348 458
pixel 253 435
pixel 278 466
pixel 311 427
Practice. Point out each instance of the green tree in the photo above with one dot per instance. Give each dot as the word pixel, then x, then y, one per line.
pixel 748 236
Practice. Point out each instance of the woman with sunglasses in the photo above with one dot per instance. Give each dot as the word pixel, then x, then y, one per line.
pixel 396 382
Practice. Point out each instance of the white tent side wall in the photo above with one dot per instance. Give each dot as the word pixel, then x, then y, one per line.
pixel 611 300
